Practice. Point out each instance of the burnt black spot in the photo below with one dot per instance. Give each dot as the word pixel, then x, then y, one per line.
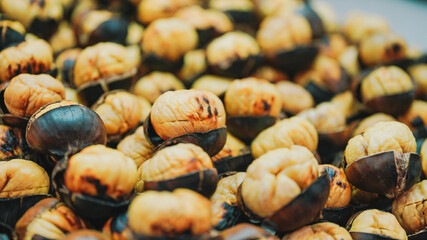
pixel 209 111
pixel 266 105
pixel 231 216
pixel 216 112
pixel 339 183
pixel 101 189
pixel 11 139
pixel 200 105
pixel 344 185
pixel 396 47
pixel 206 100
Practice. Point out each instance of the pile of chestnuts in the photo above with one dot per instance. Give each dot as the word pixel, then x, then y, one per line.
pixel 208 119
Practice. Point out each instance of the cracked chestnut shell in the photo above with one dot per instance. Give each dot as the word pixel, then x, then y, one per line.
pixel 245 231
pixel 386 89
pixel 65 62
pixel 383 159
pixel 323 230
pixel 192 116
pixel 6 232
pixel 184 165
pixel 48 219
pixel 64 126
pixel 12 33
pixel 234 54
pixel 80 181
pixel 117 228
pixel 181 214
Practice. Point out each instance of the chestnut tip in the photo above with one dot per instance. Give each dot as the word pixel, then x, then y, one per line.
pixel 246 128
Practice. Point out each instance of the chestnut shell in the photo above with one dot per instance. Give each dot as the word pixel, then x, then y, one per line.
pixel 246 128
pixel 296 59
pixel 378 173
pixel 313 19
pixel 113 30
pixel 211 142
pixel 43 28
pixel 339 216
pixel 239 68
pixel 238 163
pixel 10 38
pixel 203 182
pixel 369 236
pixel 157 63
pixel 418 236
pixel 6 232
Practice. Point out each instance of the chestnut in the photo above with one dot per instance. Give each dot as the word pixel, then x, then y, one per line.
pixel 165 42
pixel 295 98
pixel 121 113
pixel 386 89
pixel 285 133
pixel 151 10
pixel 418 72
pixel 371 121
pixel 85 234
pixel 48 219
pixel 245 231
pixel 12 33
pixel 415 117
pixel 41 19
pixel 184 165
pixel 65 62
pixel 181 214
pixel 241 13
pixel 225 210
pixel 216 84
pixel 117 228
pixel 375 224
pixel 62 127
pixel 270 74
pixel 383 159
pixel 252 105
pixel 153 85
pixel 333 45
pixel 12 143
pixel 80 181
pixel 194 66
pixel 23 183
pixel 359 25
pixel 33 56
pixel 349 61
pixel 193 116
pixel 282 184
pixel 234 156
pixel 104 67
pixel 234 54
pixel 323 230
pixel 63 39
pixel 137 147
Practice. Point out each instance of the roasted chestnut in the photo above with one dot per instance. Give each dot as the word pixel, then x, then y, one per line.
pixel 62 127
pixel 415 118
pixel 295 98
pixel 165 42
pixel 193 67
pixel 371 121
pixel 323 230
pixel 193 116
pixel 252 105
pixel 135 32
pixel 333 45
pixel 12 33
pixel 234 156
pixel 270 74
pixel 12 143
pixel 181 214
pixel 151 10
pixel 153 85
pixel 117 228
pixel 217 85
pixel 80 181
pixel 383 159
pixel 234 54
pixel 137 147
pixel 418 72
pixel 386 89
pixel 359 25
pixel 245 231
pixel 63 39
pixel 375 224
pixel 240 12
pixel 184 165
pixel 33 56
pixel 65 63
pixel 48 219
pixel 104 67
pixel 121 113
pixel 423 153
pixel 85 234
pixel 225 211
pixel 287 132
pixel 282 184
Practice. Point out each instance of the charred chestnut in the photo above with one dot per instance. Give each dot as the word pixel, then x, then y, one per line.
pixel 33 56
pixel 375 224
pixel 151 10
pixel 85 234
pixel 234 156
pixel 234 54
pixel 383 159
pixel 323 230
pixel 193 116
pixel 65 63
pixel 181 214
pixel 245 231
pixel 225 210
pixel 217 85
pixel 104 67
pixel 252 105
pixel 184 165
pixel 12 33
pixel 137 147
pixel 287 132
pixel 153 85
pixel 165 42
pixel 64 126
pixel 295 98
pixel 359 25
pixel 193 67
pixel 12 143
pixel 48 219
pixel 117 228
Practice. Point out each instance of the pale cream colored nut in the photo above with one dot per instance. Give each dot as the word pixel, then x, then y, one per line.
pixel 170 213
pixel 287 132
pixel 169 38
pixel 252 97
pixel 381 48
pixel 194 65
pixel 89 22
pixel 277 177
pixel 26 93
pixel 270 74
pixel 225 193
pixel 327 15
pixel 89 168
pixel 215 84
pixel 423 153
pixel 153 85
pixel 340 190
pixel 151 10
pixel 385 81
pixel 347 103
pixel 419 74
pixel 233 147
pixel 335 46
pixel 319 231
pixel 348 60
pixel 410 208
pixel 135 32
pixel 295 98
pixel 239 5
pixel 371 121
pixel 377 222
pixel 64 38
pixel 204 19
pixel 418 109
pixel 326 117
pixel 19 177
pixel 359 25
pixel 382 137
pixel 137 147
pixel 176 113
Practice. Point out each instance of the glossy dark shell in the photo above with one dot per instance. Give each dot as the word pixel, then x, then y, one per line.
pixel 118 226
pixel 65 129
pixel 339 216
pixel 9 37
pixel 113 30
pixel 239 68
pixel 44 28
pixel 369 236
pixel 12 209
pixel 203 182
pixel 314 20
pixel 378 173
pixel 246 128
pixel 230 218
pixel 242 17
pixel 245 231
pixel 238 163
pixel 205 35
pixel 418 236
pixel 296 59
pixel 156 63
pixel 331 144
pixel 6 232
pixel 211 142
pixel 243 208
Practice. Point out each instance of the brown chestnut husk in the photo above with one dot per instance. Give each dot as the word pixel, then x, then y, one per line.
pixel 238 163
pixel 418 236
pixel 113 30
pixel 203 182
pixel 339 216
pixel 239 68
pixel 246 128
pixel 9 37
pixel 245 231
pixel 211 142
pixel 64 129
pixel 296 59
pixel 157 63
pixel 44 28
pixel 314 20
pixel 6 117
pixel 388 173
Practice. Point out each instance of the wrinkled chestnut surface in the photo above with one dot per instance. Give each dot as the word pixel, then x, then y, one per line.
pixel 340 191
pixel 324 230
pixel 246 231
pixel 137 147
